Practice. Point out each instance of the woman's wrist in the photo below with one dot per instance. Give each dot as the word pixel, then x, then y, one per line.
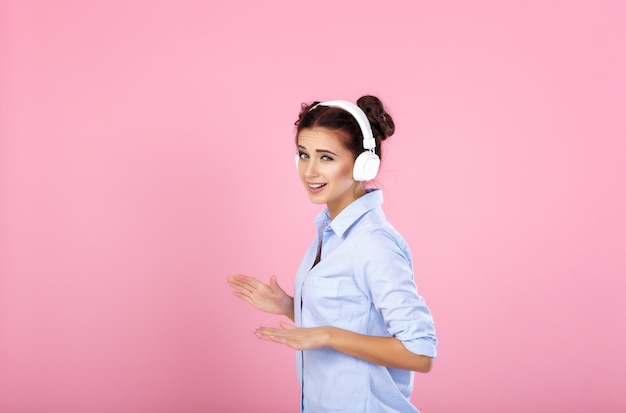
pixel 330 337
pixel 288 309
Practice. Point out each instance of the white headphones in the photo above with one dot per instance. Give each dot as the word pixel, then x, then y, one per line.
pixel 366 165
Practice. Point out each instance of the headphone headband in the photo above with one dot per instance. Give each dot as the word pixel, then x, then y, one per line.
pixel 357 113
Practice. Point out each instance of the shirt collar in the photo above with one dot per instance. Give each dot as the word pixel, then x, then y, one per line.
pixel 372 199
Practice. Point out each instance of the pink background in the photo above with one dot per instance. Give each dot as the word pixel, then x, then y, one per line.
pixel 146 151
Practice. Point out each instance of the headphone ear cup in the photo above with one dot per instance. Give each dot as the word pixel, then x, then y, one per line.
pixel 297 160
pixel 366 166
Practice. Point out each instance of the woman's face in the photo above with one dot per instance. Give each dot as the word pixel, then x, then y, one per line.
pixel 325 168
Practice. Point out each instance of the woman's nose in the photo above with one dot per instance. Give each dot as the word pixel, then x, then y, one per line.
pixel 310 168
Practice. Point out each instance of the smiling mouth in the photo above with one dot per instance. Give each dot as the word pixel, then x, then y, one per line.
pixel 316 186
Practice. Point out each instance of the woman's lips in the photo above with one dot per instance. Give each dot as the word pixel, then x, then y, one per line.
pixel 316 188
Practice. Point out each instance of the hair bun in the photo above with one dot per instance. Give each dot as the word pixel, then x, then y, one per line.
pixel 381 121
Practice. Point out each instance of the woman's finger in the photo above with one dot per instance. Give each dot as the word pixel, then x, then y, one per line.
pixel 286 326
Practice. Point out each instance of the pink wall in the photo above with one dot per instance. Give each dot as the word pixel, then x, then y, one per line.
pixel 146 153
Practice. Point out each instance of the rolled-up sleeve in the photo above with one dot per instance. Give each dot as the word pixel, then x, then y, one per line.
pixel 384 271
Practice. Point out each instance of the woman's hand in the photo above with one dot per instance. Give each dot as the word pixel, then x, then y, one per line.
pixel 268 298
pixel 385 351
pixel 295 337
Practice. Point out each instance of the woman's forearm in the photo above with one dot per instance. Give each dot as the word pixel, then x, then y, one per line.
pixel 385 351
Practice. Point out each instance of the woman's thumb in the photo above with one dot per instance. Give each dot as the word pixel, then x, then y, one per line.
pixel 274 283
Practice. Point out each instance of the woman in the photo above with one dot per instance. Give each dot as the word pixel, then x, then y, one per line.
pixel 361 329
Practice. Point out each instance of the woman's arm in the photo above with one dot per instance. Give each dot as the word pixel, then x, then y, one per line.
pixel 268 298
pixel 385 351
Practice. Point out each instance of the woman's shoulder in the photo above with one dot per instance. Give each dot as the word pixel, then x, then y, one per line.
pixel 375 229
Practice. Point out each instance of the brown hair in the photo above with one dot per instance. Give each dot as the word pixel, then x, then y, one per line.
pixel 339 120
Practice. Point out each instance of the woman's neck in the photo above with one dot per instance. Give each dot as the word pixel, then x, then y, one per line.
pixel 339 205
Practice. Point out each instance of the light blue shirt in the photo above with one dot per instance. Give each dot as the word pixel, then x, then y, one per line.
pixel 363 283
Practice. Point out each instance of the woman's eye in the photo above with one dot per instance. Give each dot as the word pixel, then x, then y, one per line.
pixel 303 155
pixel 327 158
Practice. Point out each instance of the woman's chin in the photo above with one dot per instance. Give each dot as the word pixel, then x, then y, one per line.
pixel 316 198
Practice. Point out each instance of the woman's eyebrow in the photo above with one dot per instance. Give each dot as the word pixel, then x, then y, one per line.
pixel 325 151
pixel 319 150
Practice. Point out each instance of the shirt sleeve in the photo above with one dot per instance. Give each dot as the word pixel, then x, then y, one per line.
pixel 384 271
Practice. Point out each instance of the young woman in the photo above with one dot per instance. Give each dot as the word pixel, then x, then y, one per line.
pixel 361 329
